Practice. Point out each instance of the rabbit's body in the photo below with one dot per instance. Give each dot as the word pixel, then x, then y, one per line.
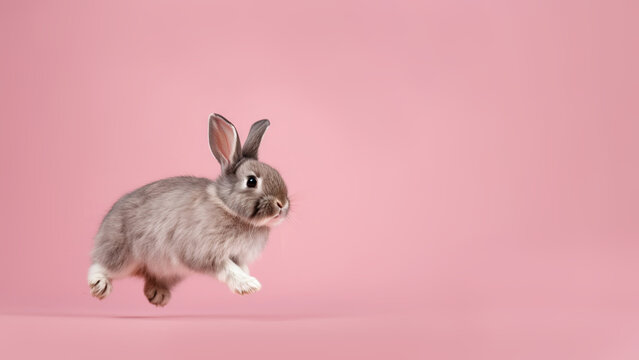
pixel 172 227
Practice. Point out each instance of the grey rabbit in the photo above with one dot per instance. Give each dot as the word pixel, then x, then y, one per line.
pixel 170 228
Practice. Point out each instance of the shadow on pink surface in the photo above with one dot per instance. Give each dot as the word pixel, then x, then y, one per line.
pixel 514 334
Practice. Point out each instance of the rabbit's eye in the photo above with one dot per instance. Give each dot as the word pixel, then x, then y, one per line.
pixel 251 182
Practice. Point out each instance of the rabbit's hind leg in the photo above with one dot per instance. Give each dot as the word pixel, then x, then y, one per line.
pixel 111 257
pixel 99 281
pixel 158 291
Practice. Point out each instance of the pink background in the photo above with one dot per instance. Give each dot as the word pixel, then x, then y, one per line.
pixel 464 174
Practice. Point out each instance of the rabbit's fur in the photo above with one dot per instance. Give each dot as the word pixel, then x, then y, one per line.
pixel 169 228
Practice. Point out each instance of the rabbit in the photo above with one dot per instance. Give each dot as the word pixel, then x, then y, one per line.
pixel 173 227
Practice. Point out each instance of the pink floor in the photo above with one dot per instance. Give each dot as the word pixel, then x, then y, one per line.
pixel 503 334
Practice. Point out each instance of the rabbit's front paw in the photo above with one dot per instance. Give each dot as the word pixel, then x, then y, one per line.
pixel 245 285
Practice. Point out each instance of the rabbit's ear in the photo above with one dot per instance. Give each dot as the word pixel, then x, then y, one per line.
pixel 224 141
pixel 252 143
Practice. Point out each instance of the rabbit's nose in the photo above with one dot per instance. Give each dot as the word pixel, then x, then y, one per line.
pixel 279 204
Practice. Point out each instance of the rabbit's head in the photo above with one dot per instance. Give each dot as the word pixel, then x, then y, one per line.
pixel 249 188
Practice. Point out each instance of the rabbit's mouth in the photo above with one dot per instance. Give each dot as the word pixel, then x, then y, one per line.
pixel 269 220
pixel 276 220
pixel 269 211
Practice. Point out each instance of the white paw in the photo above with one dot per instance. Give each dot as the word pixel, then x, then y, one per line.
pixel 157 296
pixel 245 285
pixel 99 282
pixel 100 286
